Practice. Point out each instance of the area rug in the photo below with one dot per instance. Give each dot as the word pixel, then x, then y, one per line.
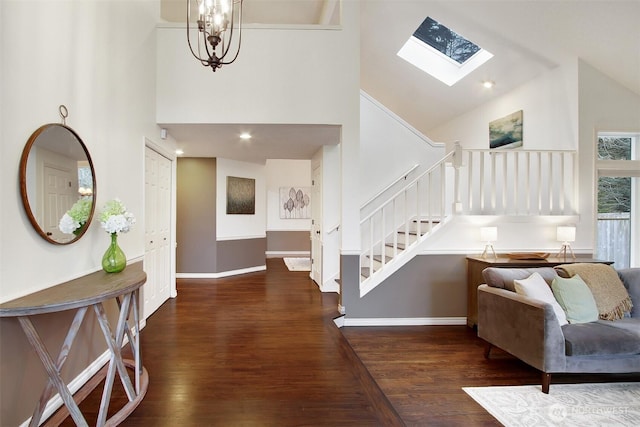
pixel 298 264
pixel 581 405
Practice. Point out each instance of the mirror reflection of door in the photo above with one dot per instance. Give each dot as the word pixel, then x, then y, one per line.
pixel 59 177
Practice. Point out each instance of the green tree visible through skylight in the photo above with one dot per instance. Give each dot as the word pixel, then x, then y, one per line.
pixel 446 41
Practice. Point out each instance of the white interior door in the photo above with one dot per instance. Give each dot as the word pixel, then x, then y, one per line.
pixel 316 227
pixel 60 185
pixel 157 258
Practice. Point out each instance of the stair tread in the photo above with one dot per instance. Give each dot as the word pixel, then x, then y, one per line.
pixel 426 221
pixel 400 245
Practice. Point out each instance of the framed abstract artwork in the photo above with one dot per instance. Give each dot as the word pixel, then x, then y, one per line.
pixel 506 132
pixel 241 196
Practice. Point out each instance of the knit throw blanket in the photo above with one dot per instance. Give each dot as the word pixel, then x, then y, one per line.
pixel 612 298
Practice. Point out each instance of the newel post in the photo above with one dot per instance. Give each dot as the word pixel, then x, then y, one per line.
pixel 457 164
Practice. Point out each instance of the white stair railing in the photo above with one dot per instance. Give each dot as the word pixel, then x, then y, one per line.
pixel 485 182
pixel 404 220
pixel 519 182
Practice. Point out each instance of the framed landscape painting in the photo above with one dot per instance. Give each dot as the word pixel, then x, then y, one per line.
pixel 241 196
pixel 506 132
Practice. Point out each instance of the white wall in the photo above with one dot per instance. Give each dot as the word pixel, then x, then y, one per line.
pixel 285 173
pixel 98 59
pixel 389 147
pixel 331 202
pixel 234 227
pixel 282 75
pixel 550 114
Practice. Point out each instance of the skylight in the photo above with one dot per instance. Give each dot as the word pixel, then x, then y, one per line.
pixel 442 53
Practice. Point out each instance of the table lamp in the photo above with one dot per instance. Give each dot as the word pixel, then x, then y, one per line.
pixel 566 234
pixel 489 235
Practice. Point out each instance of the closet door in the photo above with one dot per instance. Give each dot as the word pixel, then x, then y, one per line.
pixel 157 259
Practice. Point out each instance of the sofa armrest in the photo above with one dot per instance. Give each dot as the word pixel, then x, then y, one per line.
pixel 631 279
pixel 524 327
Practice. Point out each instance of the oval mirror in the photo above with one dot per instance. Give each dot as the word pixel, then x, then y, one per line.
pixel 57 183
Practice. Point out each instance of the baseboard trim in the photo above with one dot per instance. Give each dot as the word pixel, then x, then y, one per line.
pixel 285 254
pixel 221 274
pixel 409 321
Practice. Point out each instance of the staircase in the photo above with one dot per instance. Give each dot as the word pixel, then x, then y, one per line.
pixel 401 241
pixel 464 182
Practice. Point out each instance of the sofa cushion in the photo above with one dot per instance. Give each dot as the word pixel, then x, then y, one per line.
pixel 575 297
pixel 536 287
pixel 599 339
pixel 504 277
pixel 611 297
pixel 628 324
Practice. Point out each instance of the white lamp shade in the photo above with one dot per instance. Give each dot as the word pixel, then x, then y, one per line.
pixel 566 234
pixel 489 234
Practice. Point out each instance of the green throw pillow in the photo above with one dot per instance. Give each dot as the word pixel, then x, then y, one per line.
pixel 575 297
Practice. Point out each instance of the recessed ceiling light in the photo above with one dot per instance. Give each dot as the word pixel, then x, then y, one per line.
pixel 488 84
pixel 179 152
pixel 245 135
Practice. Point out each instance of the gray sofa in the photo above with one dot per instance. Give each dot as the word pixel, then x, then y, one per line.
pixel 529 330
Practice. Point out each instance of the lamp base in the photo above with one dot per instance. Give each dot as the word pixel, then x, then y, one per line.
pixel 488 248
pixel 563 251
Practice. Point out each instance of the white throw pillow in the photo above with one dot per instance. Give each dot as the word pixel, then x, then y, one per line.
pixel 536 287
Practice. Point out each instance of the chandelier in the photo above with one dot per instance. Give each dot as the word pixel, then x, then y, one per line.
pixel 217 20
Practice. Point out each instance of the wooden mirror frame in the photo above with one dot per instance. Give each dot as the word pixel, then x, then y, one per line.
pixel 23 183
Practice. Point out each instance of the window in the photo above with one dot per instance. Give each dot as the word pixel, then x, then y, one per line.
pixel 618 213
pixel 446 41
pixel 442 53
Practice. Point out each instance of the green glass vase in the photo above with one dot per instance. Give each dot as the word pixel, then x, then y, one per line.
pixel 114 260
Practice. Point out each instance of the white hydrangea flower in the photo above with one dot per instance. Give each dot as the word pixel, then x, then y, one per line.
pixel 67 224
pixel 115 218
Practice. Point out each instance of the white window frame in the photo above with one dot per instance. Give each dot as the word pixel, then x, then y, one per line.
pixel 619 169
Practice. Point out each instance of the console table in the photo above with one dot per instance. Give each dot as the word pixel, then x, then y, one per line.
pixel 82 294
pixel 475 265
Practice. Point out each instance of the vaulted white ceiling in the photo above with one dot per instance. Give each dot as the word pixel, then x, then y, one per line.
pixel 527 37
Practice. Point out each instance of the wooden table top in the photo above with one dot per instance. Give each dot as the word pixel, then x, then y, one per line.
pixel 504 260
pixel 80 292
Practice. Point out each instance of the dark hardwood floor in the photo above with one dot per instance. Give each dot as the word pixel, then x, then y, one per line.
pixel 261 349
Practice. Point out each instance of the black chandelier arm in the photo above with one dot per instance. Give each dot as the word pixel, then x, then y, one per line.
pixel 239 39
pixel 188 34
